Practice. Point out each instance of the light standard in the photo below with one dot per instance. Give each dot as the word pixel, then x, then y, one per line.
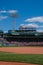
pixel 13 15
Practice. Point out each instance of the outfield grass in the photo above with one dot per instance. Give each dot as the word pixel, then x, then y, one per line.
pixel 27 58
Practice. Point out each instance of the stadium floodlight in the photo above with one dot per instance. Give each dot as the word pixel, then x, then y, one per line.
pixel 13 15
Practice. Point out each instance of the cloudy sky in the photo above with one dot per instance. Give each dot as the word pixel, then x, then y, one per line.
pixel 30 12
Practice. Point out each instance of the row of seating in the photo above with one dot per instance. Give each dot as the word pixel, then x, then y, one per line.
pixel 4 41
pixel 28 43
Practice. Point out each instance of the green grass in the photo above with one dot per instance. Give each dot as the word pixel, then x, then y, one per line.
pixel 27 58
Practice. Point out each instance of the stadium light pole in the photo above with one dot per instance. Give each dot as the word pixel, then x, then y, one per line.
pixel 13 15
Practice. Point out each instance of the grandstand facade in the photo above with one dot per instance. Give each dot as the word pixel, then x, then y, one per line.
pixel 24 35
pixel 21 38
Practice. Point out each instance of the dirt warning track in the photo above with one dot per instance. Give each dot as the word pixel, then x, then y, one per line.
pixel 23 50
pixel 15 63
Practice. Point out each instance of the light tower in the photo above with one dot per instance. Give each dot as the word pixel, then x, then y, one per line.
pixel 13 15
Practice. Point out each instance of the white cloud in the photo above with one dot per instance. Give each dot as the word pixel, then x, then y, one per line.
pixel 35 19
pixel 8 11
pixel 22 25
pixel 3 11
pixel 29 25
pixel 3 17
pixel 39 28
pixel 32 25
pixel 12 11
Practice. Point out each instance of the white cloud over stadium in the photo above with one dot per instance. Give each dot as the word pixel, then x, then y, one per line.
pixel 12 11
pixel 29 25
pixel 3 17
pixel 3 11
pixel 8 11
pixel 35 19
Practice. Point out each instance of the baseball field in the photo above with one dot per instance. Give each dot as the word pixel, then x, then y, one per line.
pixel 21 55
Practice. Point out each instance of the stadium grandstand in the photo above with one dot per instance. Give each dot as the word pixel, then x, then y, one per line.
pixel 25 36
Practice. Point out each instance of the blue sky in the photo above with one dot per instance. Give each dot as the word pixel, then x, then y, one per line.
pixel 27 9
